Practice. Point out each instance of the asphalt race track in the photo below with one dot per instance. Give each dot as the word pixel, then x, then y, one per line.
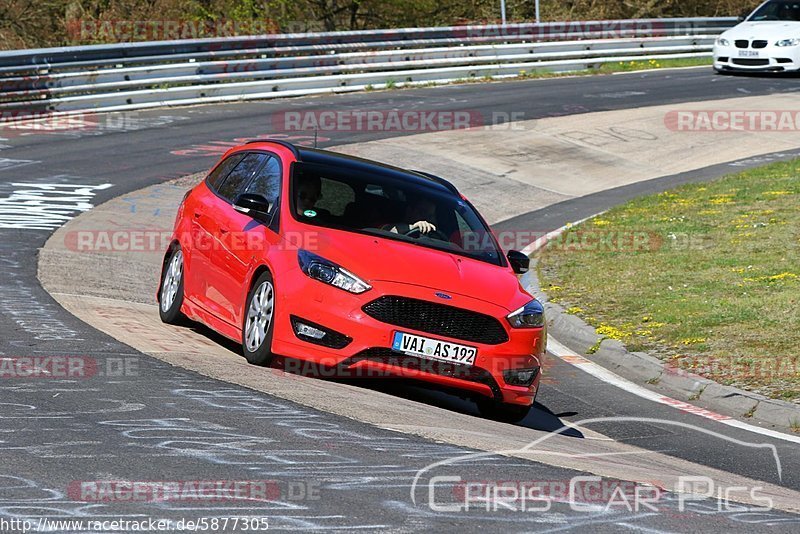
pixel 163 423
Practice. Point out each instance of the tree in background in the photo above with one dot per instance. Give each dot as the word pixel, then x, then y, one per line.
pixel 41 23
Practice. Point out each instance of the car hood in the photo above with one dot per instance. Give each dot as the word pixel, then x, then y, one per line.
pixel 770 30
pixel 377 259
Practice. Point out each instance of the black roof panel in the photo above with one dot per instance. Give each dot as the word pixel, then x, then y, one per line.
pixel 360 165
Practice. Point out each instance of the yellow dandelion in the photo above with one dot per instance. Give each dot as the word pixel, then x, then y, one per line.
pixel 722 199
pixel 693 340
pixel 612 332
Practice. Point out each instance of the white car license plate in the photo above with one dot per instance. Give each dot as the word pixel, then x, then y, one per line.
pixel 433 349
pixel 748 53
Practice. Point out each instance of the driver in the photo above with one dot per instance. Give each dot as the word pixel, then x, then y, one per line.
pixel 418 213
pixel 309 191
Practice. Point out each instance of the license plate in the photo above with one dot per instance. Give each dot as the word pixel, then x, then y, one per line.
pixel 433 349
pixel 748 53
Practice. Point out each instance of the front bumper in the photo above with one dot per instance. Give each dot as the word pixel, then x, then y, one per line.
pixel 368 354
pixel 770 59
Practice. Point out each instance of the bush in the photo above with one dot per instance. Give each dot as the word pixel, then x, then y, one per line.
pixel 43 23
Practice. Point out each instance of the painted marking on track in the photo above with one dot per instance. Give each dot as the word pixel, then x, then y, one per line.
pixel 45 206
pixel 6 163
pixel 600 372
pixel 618 94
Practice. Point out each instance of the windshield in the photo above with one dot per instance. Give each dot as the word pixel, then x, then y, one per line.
pixel 777 10
pixel 392 208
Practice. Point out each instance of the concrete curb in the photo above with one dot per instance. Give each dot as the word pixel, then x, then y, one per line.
pixel 642 368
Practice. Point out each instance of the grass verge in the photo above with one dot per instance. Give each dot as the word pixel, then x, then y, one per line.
pixel 604 68
pixel 627 66
pixel 705 276
pixel 623 66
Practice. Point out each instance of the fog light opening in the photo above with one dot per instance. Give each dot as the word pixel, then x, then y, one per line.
pixel 520 377
pixel 318 334
pixel 306 330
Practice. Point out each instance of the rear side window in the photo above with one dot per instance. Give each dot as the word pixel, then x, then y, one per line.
pixel 267 182
pixel 222 170
pixel 240 176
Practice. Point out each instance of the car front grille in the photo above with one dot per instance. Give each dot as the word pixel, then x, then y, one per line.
pixel 759 44
pixel 741 43
pixel 750 62
pixel 437 319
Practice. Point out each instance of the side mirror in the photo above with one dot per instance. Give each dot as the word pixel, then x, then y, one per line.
pixel 520 263
pixel 256 206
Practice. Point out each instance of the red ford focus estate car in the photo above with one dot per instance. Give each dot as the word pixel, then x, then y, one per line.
pixel 348 263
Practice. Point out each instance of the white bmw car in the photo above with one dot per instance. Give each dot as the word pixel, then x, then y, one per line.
pixel 767 40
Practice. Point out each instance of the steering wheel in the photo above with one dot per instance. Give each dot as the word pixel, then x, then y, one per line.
pixel 435 234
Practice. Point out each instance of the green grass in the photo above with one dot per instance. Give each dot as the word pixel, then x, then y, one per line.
pixel 622 66
pixel 604 68
pixel 627 66
pixel 705 276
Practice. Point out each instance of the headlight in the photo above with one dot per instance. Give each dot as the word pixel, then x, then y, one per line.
pixel 327 272
pixel 723 42
pixel 529 316
pixel 788 42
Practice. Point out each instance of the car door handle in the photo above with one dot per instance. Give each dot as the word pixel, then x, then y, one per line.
pixel 223 231
pixel 197 214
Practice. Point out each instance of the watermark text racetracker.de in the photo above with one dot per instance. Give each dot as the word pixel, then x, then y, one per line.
pixel 731 367
pixel 393 120
pixel 580 240
pixel 157 240
pixel 738 120
pixel 132 30
pixel 79 123
pixel 575 30
pixel 193 491
pixel 586 240
pixel 67 367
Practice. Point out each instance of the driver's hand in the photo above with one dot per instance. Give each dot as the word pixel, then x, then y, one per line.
pixel 423 226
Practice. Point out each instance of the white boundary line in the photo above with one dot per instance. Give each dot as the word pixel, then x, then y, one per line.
pixel 557 349
pixel 598 371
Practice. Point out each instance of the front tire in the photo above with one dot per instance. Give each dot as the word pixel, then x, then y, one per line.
pixel 259 321
pixel 501 411
pixel 171 295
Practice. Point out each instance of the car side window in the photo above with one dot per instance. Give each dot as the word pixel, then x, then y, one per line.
pixel 240 176
pixel 221 171
pixel 267 182
pixel 335 196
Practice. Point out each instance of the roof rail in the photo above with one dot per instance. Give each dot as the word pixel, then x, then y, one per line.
pixel 438 180
pixel 286 144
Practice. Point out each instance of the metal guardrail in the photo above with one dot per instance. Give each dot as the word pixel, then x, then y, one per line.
pixel 141 75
